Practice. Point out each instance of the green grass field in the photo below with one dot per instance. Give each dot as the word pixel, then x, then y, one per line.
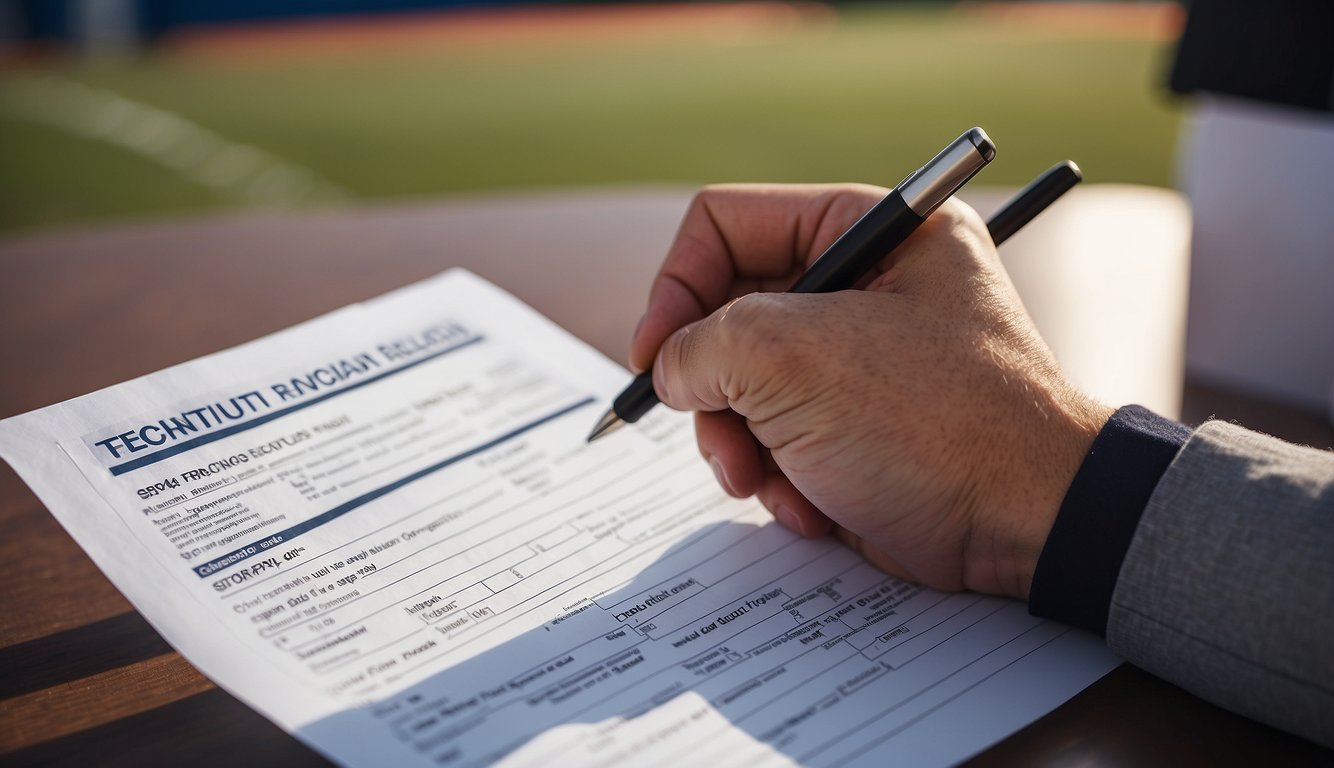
pixel 865 99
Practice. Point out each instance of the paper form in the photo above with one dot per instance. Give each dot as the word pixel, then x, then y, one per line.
pixel 383 530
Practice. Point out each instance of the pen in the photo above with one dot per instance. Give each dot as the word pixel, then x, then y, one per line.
pixel 1032 200
pixel 879 231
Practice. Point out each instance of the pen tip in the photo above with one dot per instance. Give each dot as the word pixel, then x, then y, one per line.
pixel 609 423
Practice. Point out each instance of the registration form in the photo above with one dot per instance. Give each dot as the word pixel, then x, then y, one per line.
pixel 383 530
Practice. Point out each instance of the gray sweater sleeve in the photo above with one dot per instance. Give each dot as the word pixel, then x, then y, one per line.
pixel 1227 588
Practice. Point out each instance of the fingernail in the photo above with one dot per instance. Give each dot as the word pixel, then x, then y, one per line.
pixel 789 519
pixel 634 337
pixel 659 383
pixel 718 472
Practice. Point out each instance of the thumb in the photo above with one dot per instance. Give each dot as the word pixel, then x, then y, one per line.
pixel 713 363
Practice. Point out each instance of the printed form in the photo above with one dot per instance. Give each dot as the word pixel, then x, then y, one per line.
pixel 383 530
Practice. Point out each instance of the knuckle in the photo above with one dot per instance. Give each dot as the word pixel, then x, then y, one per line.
pixel 713 193
pixel 700 204
pixel 710 191
pixel 745 321
pixel 956 216
pixel 701 198
pixel 765 329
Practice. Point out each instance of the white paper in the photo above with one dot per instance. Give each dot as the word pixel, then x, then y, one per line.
pixel 383 530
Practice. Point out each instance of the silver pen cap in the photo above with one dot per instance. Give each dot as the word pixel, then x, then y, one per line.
pixel 942 176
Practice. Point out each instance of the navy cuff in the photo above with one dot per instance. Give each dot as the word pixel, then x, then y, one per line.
pixel 1077 570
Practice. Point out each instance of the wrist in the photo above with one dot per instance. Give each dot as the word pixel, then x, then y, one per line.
pixel 1040 470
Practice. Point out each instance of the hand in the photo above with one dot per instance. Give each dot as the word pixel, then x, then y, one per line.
pixel 921 418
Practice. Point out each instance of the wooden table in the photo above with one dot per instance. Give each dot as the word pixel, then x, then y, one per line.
pixel 85 680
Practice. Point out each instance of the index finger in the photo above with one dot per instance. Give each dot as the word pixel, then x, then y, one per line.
pixel 741 238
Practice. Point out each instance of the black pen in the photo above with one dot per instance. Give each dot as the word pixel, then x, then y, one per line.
pixel 1032 200
pixel 879 231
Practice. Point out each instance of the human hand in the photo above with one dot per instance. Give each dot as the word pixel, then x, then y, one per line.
pixel 921 418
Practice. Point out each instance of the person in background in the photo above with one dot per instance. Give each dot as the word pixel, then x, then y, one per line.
pixel 1258 167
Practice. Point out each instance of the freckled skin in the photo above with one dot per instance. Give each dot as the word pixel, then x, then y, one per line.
pixel 919 418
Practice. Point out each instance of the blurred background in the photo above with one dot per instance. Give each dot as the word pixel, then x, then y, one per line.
pixel 144 109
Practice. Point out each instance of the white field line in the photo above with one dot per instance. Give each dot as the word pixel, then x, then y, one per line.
pixel 238 172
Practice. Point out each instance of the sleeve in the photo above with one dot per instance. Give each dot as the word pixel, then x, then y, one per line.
pixel 1227 586
pixel 1082 558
